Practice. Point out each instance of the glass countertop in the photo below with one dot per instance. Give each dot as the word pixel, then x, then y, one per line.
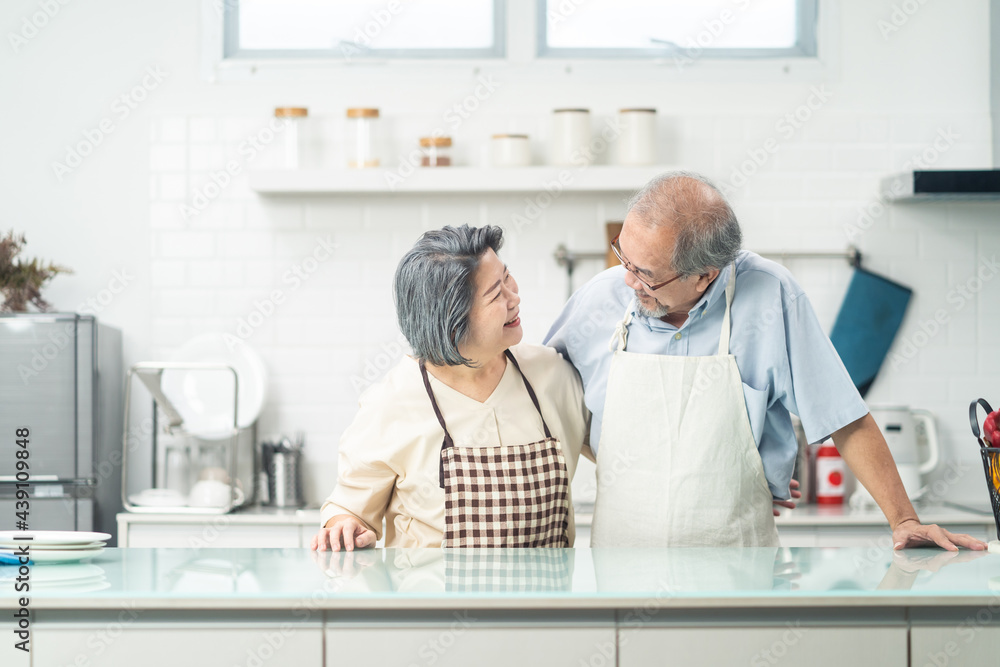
pixel 563 576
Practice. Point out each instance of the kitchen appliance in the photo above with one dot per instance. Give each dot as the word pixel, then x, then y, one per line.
pixel 61 378
pixel 181 459
pixel 942 185
pixel 283 467
pixel 912 438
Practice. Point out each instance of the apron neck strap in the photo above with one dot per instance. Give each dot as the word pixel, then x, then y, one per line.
pixel 531 392
pixel 620 337
pixel 730 290
pixel 448 442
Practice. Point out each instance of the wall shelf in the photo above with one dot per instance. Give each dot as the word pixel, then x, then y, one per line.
pixel 452 179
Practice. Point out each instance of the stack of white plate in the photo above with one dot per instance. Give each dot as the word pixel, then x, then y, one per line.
pixel 53 546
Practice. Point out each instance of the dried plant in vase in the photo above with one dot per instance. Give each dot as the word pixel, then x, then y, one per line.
pixel 21 281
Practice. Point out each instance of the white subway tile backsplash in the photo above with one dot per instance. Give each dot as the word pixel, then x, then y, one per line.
pixel 206 157
pixel 166 273
pixel 938 358
pixel 246 244
pixel 166 215
pixel 324 213
pixel 873 130
pixel 862 158
pixel 167 157
pixel 185 244
pixel 185 303
pixel 203 130
pixel 269 214
pixel 942 243
pixel 205 273
pixel 173 130
pixel 173 186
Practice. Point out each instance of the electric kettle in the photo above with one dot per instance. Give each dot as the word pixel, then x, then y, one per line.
pixel 912 438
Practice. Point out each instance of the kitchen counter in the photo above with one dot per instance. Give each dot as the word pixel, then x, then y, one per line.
pixel 855 605
pixel 805 526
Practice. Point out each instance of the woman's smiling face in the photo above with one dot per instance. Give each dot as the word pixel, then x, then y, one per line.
pixel 494 322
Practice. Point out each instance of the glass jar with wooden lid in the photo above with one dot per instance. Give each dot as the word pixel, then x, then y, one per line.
pixel 293 118
pixel 436 151
pixel 362 137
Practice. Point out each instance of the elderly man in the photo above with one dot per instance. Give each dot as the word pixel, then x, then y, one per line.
pixel 711 349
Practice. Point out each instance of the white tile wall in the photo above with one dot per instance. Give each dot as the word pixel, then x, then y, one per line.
pixel 334 330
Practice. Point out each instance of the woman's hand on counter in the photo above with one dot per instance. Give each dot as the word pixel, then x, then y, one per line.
pixel 793 486
pixel 343 531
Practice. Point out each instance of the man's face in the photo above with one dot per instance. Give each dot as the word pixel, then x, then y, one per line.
pixel 647 251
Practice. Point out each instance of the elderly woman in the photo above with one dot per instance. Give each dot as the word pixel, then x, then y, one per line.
pixel 474 439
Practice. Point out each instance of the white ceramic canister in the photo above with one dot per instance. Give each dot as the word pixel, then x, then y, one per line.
pixel 570 135
pixel 637 144
pixel 511 150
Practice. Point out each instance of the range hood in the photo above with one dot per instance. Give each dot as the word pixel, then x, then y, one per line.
pixel 958 184
pixel 944 184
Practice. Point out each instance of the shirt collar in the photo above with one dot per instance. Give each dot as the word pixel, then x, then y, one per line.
pixel 715 292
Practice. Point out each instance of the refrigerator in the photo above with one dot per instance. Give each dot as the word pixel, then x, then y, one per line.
pixel 61 384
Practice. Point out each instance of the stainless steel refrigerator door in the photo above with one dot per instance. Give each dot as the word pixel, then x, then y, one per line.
pixel 53 508
pixel 40 378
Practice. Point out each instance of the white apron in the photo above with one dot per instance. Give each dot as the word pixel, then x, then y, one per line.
pixel 677 464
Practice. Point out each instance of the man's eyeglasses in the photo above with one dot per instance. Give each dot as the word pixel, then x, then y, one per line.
pixel 631 269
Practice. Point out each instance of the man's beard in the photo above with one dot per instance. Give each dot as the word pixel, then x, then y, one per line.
pixel 659 311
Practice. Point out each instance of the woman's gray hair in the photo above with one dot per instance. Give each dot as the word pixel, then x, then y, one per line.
pixel 435 288
pixel 707 231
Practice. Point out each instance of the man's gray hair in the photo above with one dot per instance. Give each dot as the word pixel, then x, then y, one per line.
pixel 435 288
pixel 707 231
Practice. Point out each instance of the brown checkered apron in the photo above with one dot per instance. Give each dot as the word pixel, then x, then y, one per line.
pixel 503 496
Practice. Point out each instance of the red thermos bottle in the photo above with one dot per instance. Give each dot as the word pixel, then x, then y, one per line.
pixel 830 469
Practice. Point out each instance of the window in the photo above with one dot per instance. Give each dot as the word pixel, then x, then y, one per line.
pixel 359 29
pixel 678 29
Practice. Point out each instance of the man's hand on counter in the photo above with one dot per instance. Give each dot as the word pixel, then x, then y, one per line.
pixel 343 531
pixel 790 504
pixel 911 533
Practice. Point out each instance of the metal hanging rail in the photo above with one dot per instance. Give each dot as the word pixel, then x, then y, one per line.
pixel 569 258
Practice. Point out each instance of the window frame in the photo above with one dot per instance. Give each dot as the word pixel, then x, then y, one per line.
pixel 232 52
pixel 807 30
pixel 522 60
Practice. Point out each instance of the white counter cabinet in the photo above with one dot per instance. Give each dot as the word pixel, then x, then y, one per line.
pixel 630 607
pixel 253 528
pixel 808 526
